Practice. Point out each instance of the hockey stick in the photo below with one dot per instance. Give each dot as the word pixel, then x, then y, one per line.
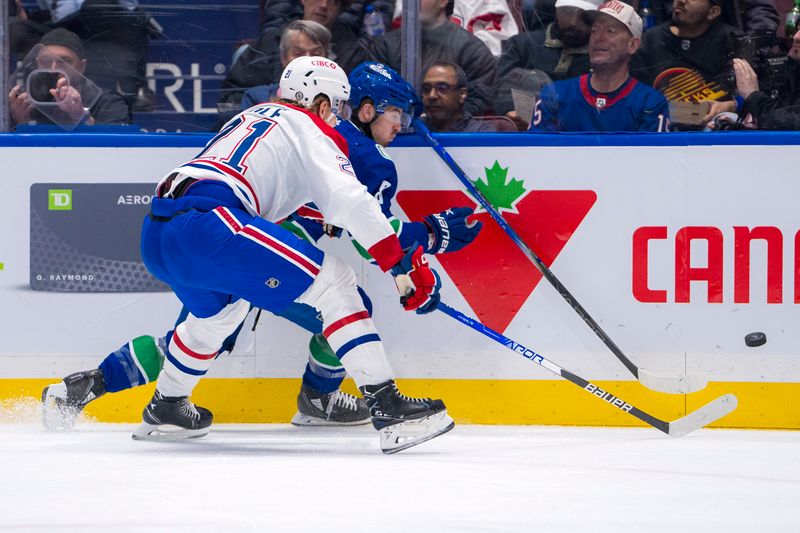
pixel 668 384
pixel 705 415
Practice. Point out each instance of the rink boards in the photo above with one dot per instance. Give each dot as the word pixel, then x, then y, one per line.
pixel 677 245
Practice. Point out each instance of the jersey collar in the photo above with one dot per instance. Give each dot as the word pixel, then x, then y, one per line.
pixel 602 101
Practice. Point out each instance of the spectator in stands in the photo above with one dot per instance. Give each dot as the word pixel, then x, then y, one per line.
pixel 444 91
pixel 445 42
pixel 687 58
pixel 61 50
pixel 747 15
pixel 115 34
pixel 262 63
pixel 300 38
pixel 608 99
pixel 758 109
pixel 537 14
pixel 278 13
pixel 559 50
pixel 346 48
pixel 491 21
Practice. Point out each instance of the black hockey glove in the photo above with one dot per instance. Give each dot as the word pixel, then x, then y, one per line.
pixel 450 229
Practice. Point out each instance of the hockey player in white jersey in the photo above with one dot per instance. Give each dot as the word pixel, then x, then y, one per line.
pixel 213 237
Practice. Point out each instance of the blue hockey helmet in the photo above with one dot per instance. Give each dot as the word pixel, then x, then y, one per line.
pixel 385 87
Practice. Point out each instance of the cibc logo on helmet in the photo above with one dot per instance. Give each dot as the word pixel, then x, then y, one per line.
pixel 322 63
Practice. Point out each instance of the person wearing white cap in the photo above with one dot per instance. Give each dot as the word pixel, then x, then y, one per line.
pixel 607 99
pixel 623 13
pixel 558 50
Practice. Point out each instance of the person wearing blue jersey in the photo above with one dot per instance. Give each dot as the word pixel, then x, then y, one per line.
pixel 608 99
pixel 383 104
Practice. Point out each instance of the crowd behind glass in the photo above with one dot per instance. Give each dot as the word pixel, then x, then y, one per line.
pixel 489 65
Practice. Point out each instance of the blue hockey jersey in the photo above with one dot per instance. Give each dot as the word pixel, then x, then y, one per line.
pixel 572 105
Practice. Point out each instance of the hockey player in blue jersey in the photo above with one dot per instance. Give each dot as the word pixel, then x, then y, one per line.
pixel 383 103
pixel 607 99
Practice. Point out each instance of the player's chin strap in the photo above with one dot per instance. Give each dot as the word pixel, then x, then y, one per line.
pixel 703 416
pixel 668 384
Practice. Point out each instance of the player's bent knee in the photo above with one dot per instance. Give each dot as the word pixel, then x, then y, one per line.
pixel 212 331
pixel 335 278
pixel 337 273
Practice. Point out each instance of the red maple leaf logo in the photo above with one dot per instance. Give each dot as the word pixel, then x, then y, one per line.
pixel 492 273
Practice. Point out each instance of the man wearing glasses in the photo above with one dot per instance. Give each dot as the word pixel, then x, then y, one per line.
pixel 444 90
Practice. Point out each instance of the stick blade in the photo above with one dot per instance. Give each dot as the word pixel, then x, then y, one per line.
pixel 709 413
pixel 672 385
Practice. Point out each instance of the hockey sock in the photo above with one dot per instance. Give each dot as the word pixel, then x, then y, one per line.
pixel 133 364
pixel 227 344
pixel 324 372
pixel 304 316
pixel 346 323
pixel 193 347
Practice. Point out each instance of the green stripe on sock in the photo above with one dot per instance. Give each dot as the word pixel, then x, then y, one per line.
pixel 322 353
pixel 148 356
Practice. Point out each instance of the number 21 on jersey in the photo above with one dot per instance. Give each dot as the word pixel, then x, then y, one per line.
pixel 237 139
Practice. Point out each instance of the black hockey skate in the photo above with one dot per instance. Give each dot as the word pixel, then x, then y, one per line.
pixel 404 422
pixel 63 402
pixel 173 418
pixel 335 408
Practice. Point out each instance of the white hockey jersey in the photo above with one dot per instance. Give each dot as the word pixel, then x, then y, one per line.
pixel 278 157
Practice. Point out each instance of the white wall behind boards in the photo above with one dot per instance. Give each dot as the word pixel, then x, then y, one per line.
pixel 677 251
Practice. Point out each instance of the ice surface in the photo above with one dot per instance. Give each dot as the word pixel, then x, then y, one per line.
pixel 475 478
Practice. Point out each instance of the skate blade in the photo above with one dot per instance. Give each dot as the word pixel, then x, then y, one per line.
pixel 404 435
pixel 301 420
pixel 55 416
pixel 167 433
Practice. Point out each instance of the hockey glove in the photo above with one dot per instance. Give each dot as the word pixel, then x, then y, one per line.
pixel 417 282
pixel 450 229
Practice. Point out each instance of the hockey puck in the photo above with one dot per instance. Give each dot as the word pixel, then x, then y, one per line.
pixel 755 339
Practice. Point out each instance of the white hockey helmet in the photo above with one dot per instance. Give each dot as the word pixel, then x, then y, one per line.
pixel 306 77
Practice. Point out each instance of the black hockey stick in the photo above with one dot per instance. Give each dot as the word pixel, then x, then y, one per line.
pixel 668 384
pixel 703 416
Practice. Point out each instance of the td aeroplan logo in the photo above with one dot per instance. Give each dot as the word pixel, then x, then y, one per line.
pixel 59 199
pixel 492 273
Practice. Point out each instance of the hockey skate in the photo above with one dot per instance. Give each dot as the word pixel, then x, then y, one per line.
pixel 335 408
pixel 404 422
pixel 173 418
pixel 63 402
